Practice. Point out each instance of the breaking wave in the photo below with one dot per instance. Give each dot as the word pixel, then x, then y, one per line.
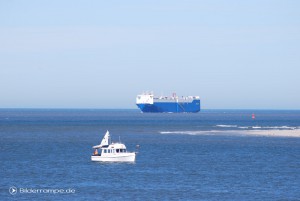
pixel 191 132
pixel 270 127
pixel 258 127
pixel 281 127
pixel 226 126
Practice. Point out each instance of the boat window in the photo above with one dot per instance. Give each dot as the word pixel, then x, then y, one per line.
pixel 105 151
pixel 118 150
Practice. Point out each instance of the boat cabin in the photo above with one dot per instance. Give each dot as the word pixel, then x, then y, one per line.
pixel 114 148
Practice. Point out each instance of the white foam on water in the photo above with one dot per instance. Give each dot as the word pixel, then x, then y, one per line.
pixel 226 126
pixel 256 127
pixel 280 127
pixel 212 132
pixel 270 127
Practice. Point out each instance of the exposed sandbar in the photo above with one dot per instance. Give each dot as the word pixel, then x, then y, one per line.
pixel 268 133
pixel 273 133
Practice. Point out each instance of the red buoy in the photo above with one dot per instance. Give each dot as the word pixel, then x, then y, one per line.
pixel 253 116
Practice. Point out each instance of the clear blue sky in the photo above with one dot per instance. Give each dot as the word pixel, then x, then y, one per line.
pixel 101 54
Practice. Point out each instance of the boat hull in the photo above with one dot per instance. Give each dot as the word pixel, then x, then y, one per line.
pixel 128 157
pixel 171 107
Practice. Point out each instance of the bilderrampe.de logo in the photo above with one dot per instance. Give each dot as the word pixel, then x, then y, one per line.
pixel 13 190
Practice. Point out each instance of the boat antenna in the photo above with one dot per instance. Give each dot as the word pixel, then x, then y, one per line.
pixel 137 147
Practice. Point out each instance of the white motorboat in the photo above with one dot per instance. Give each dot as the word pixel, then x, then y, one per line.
pixel 112 152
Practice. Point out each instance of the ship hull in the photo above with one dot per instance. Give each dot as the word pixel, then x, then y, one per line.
pixel 127 157
pixel 170 107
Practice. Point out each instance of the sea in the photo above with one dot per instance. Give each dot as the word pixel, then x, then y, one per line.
pixel 45 155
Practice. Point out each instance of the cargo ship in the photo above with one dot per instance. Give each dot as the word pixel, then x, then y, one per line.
pixel 147 102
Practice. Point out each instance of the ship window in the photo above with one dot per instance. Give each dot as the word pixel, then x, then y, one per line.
pixel 118 150
pixel 105 151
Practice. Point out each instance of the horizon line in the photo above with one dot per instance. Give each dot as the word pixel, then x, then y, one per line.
pixel 79 108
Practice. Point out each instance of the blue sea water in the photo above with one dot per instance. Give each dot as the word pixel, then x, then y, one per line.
pixel 177 160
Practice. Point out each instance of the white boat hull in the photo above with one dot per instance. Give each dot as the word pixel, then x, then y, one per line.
pixel 124 157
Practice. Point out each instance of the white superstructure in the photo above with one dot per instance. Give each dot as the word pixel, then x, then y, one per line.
pixel 146 98
pixel 149 98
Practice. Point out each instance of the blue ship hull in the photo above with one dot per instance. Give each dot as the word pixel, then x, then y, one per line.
pixel 172 107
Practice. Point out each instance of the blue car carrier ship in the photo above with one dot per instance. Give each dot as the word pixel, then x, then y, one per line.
pixel 174 104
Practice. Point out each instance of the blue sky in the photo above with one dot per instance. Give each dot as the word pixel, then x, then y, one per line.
pixel 101 54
